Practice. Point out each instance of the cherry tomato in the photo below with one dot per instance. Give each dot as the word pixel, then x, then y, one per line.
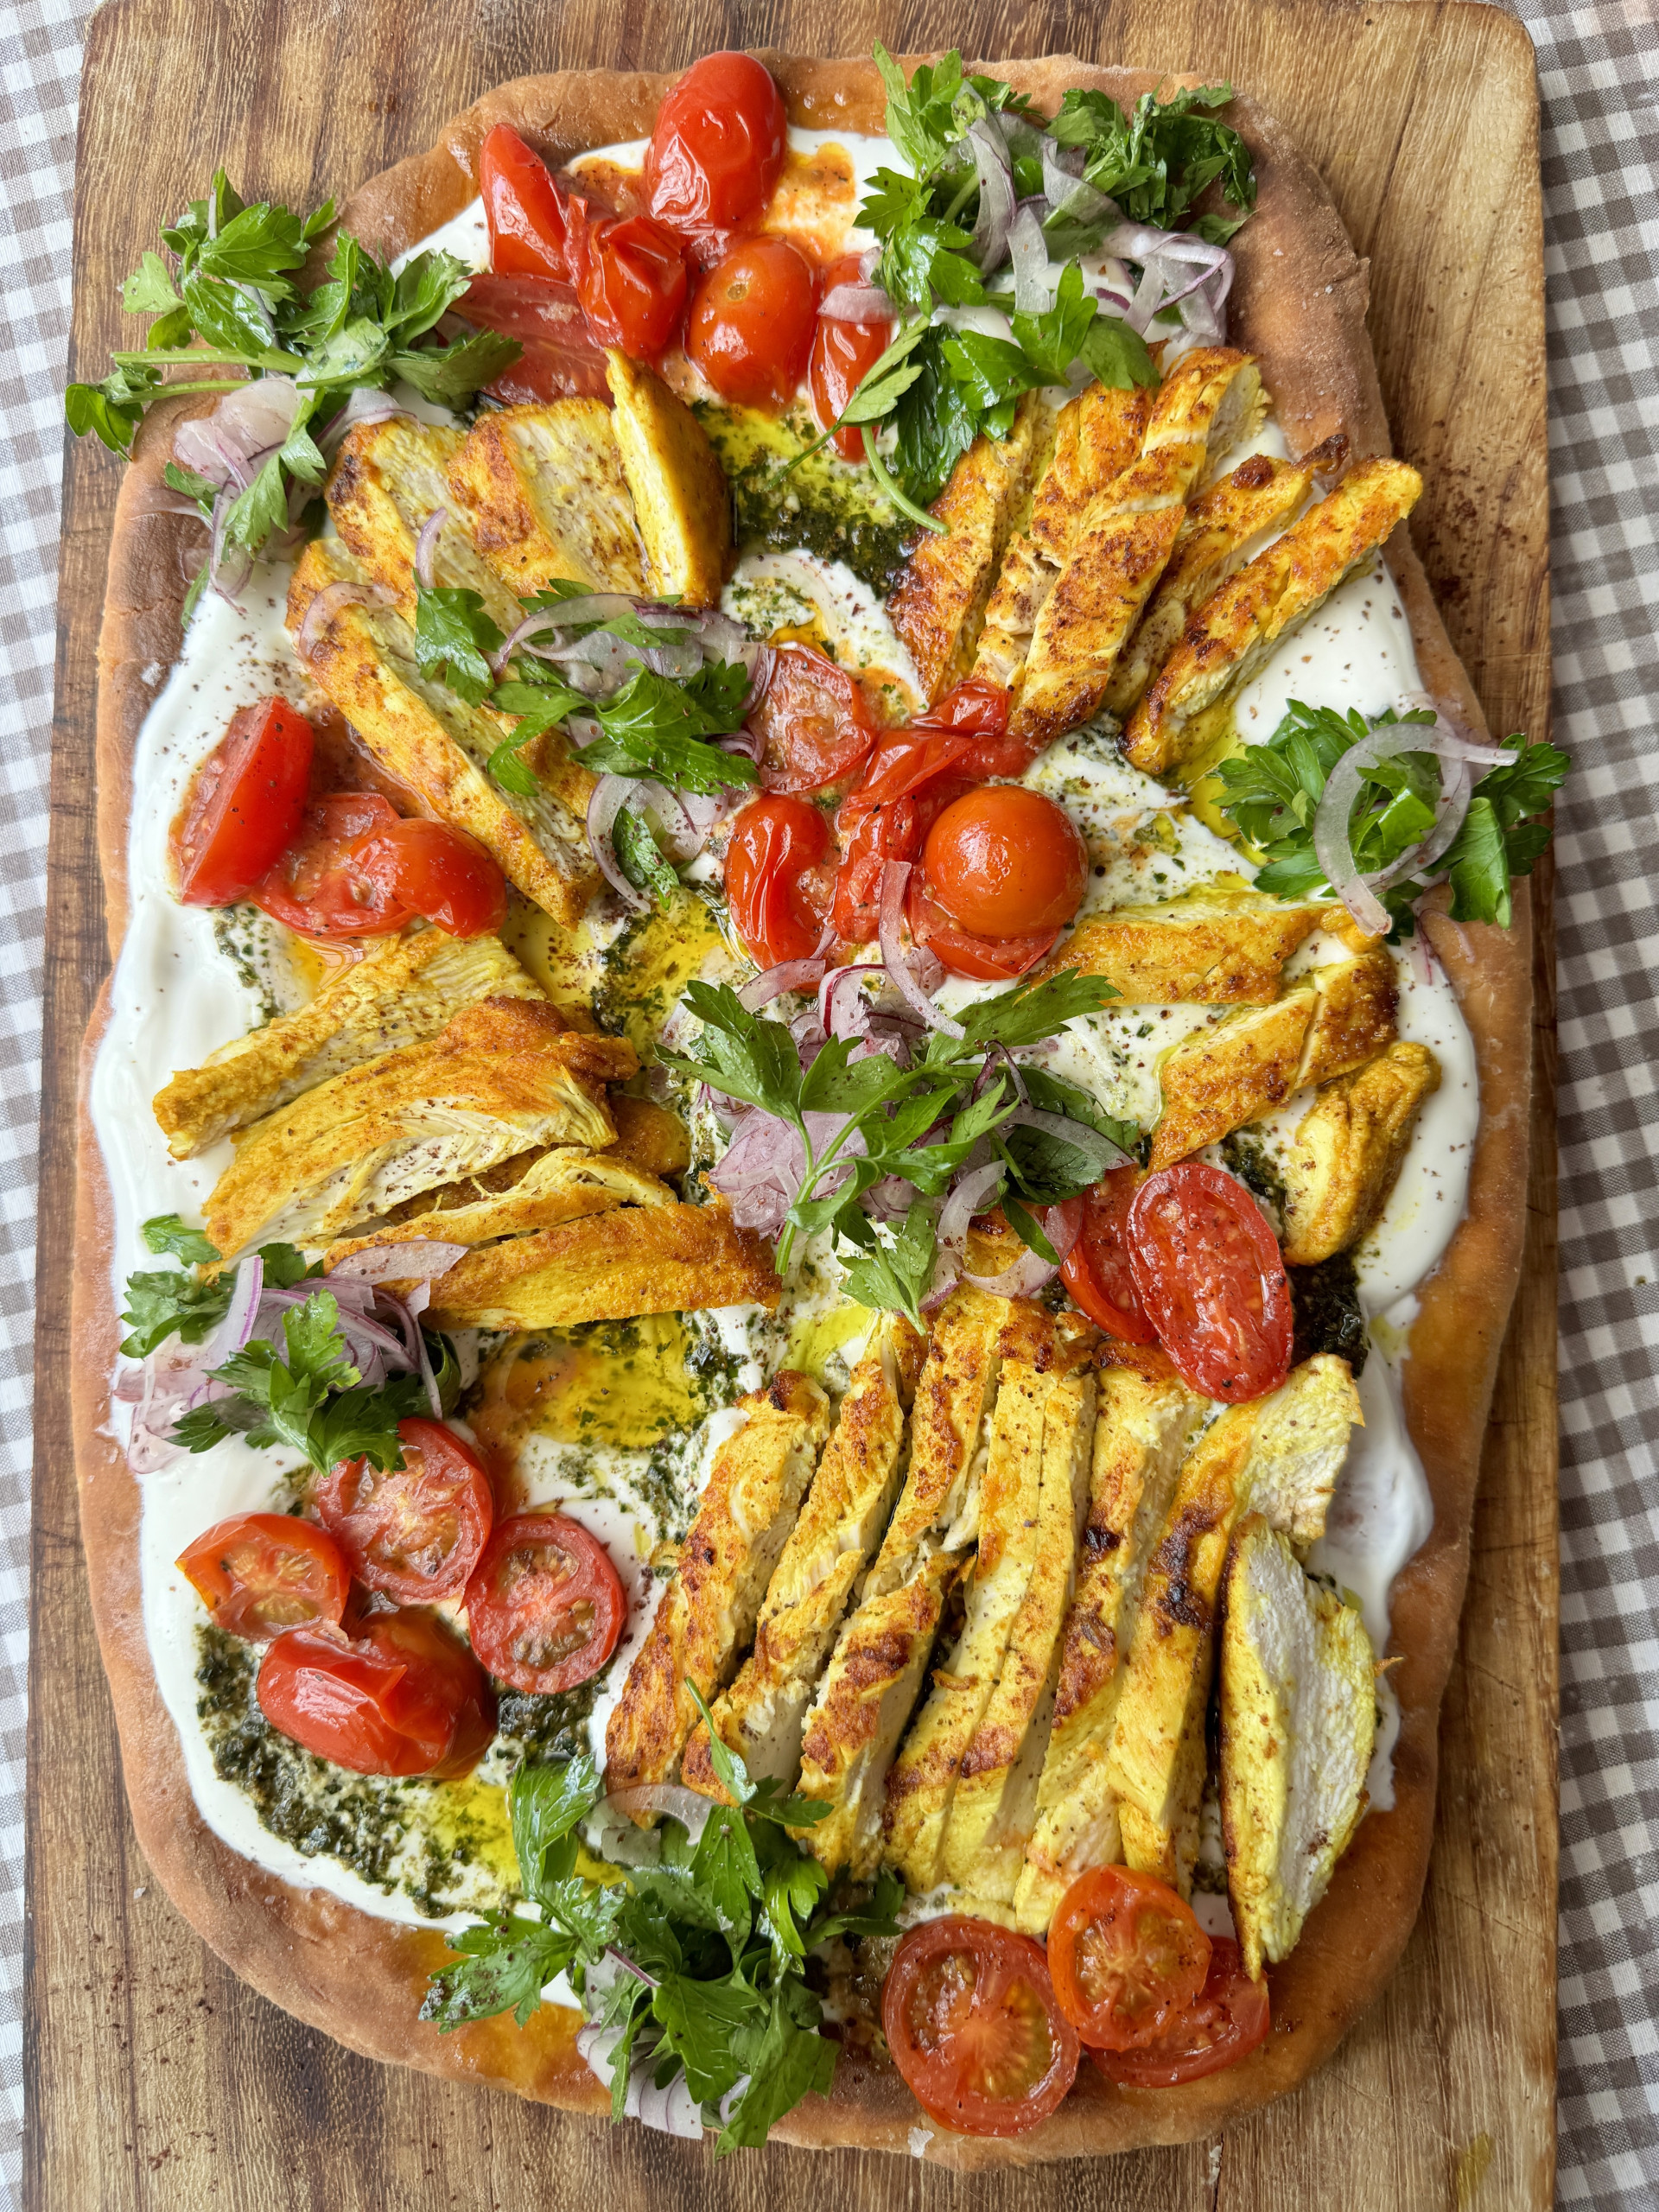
pixel 562 359
pixel 718 148
pixel 1212 1281
pixel 416 1532
pixel 1006 861
pixel 523 206
pixel 751 326
pixel 772 863
pixel 631 280
pixel 544 1607
pixel 970 2017
pixel 316 887
pixel 1224 2023
pixel 843 353
pixel 440 873
pixel 914 775
pixel 403 1696
pixel 258 1573
pixel 980 709
pixel 813 721
pixel 1096 1269
pixel 989 959
pixel 245 804
pixel 1127 1955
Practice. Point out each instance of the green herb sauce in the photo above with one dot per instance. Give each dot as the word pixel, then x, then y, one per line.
pixel 1329 1316
pixel 825 506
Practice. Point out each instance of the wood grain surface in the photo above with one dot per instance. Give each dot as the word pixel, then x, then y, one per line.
pixel 156 2082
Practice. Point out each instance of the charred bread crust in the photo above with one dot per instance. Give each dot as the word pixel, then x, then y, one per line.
pixel 1299 305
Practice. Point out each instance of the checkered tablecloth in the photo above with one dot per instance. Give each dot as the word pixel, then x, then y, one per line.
pixel 1599 71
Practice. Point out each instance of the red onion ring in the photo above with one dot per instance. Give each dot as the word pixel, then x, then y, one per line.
pixel 326 605
pixel 857 303
pixel 426 546
pixel 895 877
pixel 611 795
pixel 671 1800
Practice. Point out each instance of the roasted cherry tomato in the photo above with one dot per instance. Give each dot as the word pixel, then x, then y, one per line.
pixel 776 884
pixel 544 1607
pixel 843 353
pixel 979 708
pixel 415 1532
pixel 562 359
pixel 1127 1955
pixel 813 721
pixel 719 145
pixel 440 873
pixel 988 959
pixel 751 325
pixel 403 1696
pixel 1224 2023
pixel 523 206
pixel 317 888
pixel 912 775
pixel 1006 861
pixel 1096 1269
pixel 259 1573
pixel 970 2017
pixel 632 282
pixel 1211 1281
pixel 246 803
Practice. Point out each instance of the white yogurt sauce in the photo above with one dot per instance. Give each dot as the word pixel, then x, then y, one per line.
pixel 175 998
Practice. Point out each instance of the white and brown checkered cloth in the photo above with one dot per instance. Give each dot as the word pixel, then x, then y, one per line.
pixel 1599 75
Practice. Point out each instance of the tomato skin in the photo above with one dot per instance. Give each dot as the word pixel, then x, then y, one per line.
pixel 718 147
pixel 246 803
pixel 403 1696
pixel 523 208
pixel 964 2004
pixel 913 775
pixel 1097 1270
pixel 777 844
pixel 316 888
pixel 813 721
pixel 1229 2018
pixel 545 1605
pixel 261 1573
pixel 1126 1956
pixel 1004 861
pixel 438 872
pixel 1211 1281
pixel 843 353
pixel 631 279
pixel 561 359
pixel 751 322
pixel 416 1533
pixel 988 959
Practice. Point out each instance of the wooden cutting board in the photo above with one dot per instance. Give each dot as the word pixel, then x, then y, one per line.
pixel 156 2081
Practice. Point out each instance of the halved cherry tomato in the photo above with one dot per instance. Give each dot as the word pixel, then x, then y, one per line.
pixel 523 206
pixel 718 147
pixel 1004 861
pixel 970 2017
pixel 1211 1281
pixel 436 871
pixel 775 882
pixel 1096 1269
pixel 631 278
pixel 562 359
pixel 843 353
pixel 989 959
pixel 1127 1955
pixel 914 775
pixel 812 719
pixel 259 1573
pixel 544 1607
pixel 750 329
pixel 403 1696
pixel 415 1532
pixel 1225 2022
pixel 245 804
pixel 316 888
pixel 980 709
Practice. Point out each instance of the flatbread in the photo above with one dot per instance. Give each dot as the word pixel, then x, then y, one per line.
pixel 1298 304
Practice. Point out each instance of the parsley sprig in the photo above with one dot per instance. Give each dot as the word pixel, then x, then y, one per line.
pixel 862 1117
pixel 1272 791
pixel 696 1963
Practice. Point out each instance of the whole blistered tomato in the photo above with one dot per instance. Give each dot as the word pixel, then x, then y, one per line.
pixel 544 1606
pixel 1211 1281
pixel 812 720
pixel 971 2019
pixel 750 329
pixel 260 1574
pixel 775 878
pixel 414 1532
pixel 404 1696
pixel 524 207
pixel 246 803
pixel 718 147
pixel 631 278
pixel 1004 861
pixel 843 353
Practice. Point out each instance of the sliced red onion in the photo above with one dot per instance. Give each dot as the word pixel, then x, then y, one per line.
pixel 227 576
pixel 420 1258
pixel 589 607
pixel 1063 1229
pixel 1028 251
pixel 326 604
pixel 703 809
pixel 971 1193
pixel 773 983
pixel 1023 1278
pixel 611 795
pixel 1068 196
pixel 662 1800
pixel 844 1008
pixel 895 877
pixel 857 303
pixel 365 405
pixel 606 654
pixel 244 428
pixel 426 547
pixel 748 742
pixel 988 249
pixel 582 729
